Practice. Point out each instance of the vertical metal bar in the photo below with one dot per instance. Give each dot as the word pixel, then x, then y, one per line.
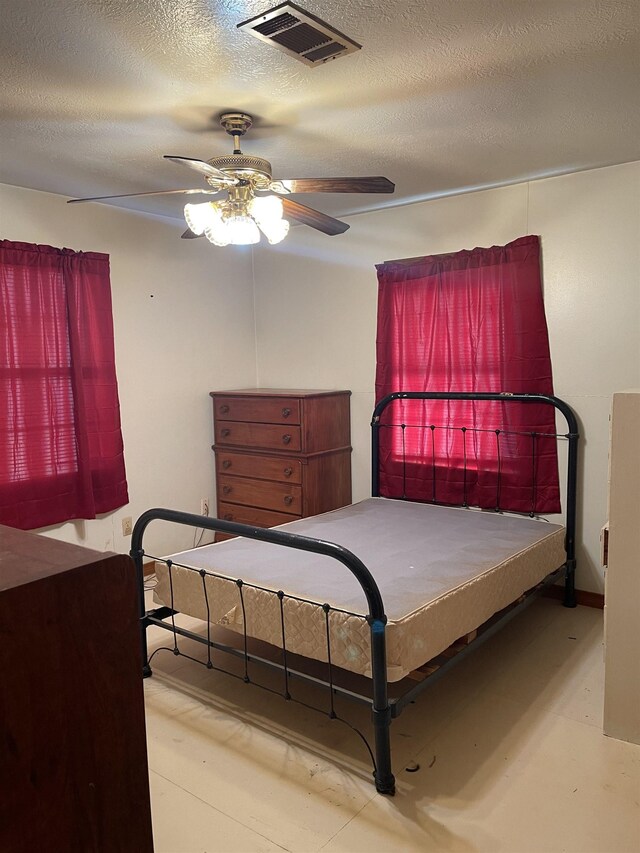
pixel 404 462
pixel 375 457
pixel 327 610
pixel 464 468
pixel 499 481
pixel 176 650
pixel 381 711
pixel 203 575
pixel 570 536
pixel 534 483
pixel 137 556
pixel 239 584
pixel 433 463
pixel 287 695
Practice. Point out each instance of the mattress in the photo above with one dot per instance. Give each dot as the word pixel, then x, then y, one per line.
pixel 441 571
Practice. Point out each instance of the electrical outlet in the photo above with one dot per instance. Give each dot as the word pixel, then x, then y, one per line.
pixel 204 506
pixel 127 526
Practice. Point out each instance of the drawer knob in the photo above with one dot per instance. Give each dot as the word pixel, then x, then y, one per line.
pixel 288 472
pixel 224 410
pixel 288 500
pixel 225 433
pixel 226 463
pixel 226 490
pixel 228 516
pixel 286 412
pixel 286 438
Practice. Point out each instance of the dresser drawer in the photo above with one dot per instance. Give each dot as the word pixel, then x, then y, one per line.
pixel 283 497
pixel 268 410
pixel 284 470
pixel 251 515
pixel 280 453
pixel 263 436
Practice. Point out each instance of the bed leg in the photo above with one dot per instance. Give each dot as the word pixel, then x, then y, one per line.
pixel 136 554
pixel 570 585
pixel 384 779
pixel 146 668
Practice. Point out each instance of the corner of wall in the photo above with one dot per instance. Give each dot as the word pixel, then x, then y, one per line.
pixel 255 316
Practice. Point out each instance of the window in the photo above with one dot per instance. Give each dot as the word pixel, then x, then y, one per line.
pixel 468 321
pixel 61 450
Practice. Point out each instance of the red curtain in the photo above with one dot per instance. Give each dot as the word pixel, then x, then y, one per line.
pixel 468 321
pixel 61 450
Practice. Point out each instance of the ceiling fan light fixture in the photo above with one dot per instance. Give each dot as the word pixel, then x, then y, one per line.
pixel 266 209
pixel 242 230
pixel 275 231
pixel 237 229
pixel 238 222
pixel 198 216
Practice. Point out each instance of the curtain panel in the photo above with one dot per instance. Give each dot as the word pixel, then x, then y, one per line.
pixel 468 321
pixel 61 448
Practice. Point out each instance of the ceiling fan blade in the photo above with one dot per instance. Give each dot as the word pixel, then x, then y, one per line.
pixel 334 185
pixel 155 192
pixel 202 167
pixel 309 216
pixel 189 235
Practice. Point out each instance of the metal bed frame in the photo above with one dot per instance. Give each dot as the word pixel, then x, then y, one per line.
pixel 383 708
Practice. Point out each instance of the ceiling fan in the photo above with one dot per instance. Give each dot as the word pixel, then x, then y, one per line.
pixel 254 201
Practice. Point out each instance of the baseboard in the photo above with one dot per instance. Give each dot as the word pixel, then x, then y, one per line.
pixel 583 596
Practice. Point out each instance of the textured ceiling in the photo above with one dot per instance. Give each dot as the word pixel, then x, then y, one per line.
pixel 444 96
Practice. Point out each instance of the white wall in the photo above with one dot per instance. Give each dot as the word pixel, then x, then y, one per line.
pixel 315 309
pixel 316 304
pixel 184 326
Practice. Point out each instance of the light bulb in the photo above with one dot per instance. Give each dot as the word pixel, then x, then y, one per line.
pixel 217 234
pixel 275 231
pixel 242 230
pixel 216 231
pixel 198 216
pixel 266 209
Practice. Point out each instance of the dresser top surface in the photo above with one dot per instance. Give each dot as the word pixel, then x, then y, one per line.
pixel 276 392
pixel 27 557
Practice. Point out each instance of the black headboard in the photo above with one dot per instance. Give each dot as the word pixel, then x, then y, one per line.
pixel 378 423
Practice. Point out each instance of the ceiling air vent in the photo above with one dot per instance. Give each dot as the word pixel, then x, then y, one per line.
pixel 300 34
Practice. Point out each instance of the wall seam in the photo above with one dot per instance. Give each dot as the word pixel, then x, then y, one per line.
pixel 255 317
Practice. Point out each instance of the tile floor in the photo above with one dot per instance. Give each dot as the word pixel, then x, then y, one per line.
pixel 509 745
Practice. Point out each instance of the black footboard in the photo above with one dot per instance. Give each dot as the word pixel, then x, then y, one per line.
pixel 376 618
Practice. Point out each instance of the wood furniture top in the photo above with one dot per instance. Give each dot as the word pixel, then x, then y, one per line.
pixel 275 392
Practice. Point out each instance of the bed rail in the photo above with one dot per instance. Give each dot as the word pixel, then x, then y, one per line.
pixel 572 436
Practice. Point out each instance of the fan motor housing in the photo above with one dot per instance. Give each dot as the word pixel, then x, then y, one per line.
pixel 244 164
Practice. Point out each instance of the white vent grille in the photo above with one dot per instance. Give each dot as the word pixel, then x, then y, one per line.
pixel 300 34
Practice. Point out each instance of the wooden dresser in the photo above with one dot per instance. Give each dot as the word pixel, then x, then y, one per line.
pixel 73 753
pixel 281 455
